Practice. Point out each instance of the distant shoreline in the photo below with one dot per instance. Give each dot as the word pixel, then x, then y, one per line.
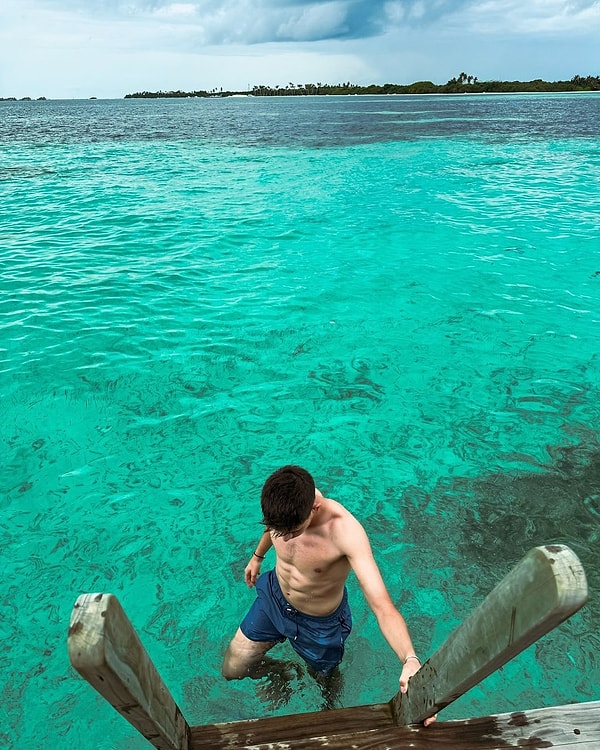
pixel 463 84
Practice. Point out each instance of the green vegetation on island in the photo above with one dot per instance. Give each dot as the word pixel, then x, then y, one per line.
pixel 462 84
pixel 23 99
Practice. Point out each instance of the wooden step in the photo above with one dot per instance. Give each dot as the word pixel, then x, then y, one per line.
pixel 292 729
pixel 571 727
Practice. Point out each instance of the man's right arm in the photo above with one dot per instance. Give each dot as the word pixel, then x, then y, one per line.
pixel 252 570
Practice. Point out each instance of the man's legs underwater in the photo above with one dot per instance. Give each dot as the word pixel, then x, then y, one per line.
pixel 331 685
pixel 246 658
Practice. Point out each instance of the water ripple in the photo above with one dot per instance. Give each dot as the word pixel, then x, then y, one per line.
pixel 409 309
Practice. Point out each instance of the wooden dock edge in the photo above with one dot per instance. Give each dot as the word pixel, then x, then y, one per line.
pixel 106 651
pixel 545 588
pixel 572 727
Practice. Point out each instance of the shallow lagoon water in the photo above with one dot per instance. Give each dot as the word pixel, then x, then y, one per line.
pixel 399 293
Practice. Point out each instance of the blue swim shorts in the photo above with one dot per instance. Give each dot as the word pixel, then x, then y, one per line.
pixel 318 640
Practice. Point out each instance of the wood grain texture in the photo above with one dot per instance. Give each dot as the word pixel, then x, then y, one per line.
pixel 295 728
pixel 105 649
pixel 575 727
pixel 545 588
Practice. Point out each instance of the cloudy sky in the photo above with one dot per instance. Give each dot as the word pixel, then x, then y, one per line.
pixel 107 48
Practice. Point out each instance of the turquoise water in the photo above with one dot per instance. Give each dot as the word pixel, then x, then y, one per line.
pixel 401 294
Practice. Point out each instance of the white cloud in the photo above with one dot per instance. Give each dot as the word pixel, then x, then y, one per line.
pixel 394 12
pixel 314 22
pixel 417 11
pixel 176 11
pixel 534 17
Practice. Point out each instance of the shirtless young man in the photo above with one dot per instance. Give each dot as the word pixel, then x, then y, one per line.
pixel 304 600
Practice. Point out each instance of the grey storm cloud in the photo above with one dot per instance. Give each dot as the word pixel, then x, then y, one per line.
pixel 263 21
pixel 257 21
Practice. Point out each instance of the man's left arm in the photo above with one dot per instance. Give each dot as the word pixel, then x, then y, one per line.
pixel 357 548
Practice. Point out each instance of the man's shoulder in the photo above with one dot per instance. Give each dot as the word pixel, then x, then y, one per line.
pixel 340 518
pixel 336 510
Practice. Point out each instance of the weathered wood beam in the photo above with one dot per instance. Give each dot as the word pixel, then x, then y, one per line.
pixel 545 588
pixel 105 649
pixel 288 730
pixel 572 727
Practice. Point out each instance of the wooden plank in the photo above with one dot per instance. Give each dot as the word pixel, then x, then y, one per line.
pixel 105 649
pixel 543 589
pixel 285 729
pixel 573 727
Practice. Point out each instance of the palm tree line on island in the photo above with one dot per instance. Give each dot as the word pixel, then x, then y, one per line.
pixel 22 99
pixel 461 84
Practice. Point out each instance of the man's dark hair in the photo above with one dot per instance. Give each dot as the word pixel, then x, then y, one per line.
pixel 287 498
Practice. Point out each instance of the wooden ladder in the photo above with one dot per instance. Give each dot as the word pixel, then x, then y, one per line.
pixel 545 588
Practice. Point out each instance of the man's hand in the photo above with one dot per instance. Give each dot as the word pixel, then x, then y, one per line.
pixel 410 668
pixel 252 571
